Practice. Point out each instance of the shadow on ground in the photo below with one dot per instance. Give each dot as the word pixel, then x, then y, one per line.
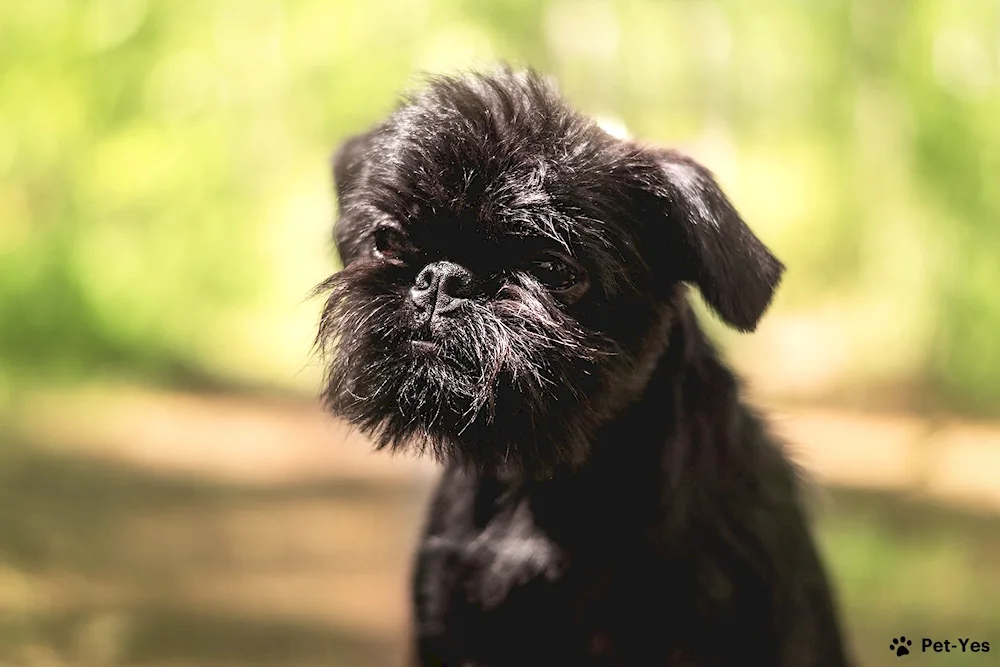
pixel 103 563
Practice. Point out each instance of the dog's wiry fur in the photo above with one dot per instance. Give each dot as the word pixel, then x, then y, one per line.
pixel 607 499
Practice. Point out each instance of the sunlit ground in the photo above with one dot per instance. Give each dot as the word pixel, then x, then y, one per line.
pixel 176 530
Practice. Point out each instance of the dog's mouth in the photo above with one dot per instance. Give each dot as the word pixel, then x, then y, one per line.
pixel 437 337
pixel 424 346
pixel 422 340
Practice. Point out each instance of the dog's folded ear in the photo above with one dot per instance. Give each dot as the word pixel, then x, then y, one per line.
pixel 733 269
pixel 348 163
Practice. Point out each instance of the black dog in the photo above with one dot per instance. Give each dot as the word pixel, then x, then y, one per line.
pixel 513 302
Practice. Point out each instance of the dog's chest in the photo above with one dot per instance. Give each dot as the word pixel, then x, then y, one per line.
pixel 496 585
pixel 488 564
pixel 495 596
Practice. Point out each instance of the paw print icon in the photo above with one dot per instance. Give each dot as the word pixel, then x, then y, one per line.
pixel 900 646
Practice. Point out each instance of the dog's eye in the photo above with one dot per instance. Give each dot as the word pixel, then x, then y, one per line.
pixel 554 271
pixel 389 243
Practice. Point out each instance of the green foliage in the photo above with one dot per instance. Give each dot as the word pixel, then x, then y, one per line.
pixel 164 188
pixel 911 567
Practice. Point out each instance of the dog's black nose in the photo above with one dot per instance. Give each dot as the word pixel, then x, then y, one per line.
pixel 440 289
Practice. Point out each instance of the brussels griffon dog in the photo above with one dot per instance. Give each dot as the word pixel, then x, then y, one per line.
pixel 513 302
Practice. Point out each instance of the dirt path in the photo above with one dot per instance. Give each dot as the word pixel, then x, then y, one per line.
pixel 274 442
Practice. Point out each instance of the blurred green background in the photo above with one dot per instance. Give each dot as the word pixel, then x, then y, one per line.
pixel 165 207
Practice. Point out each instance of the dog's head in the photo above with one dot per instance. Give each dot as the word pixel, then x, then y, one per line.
pixel 511 270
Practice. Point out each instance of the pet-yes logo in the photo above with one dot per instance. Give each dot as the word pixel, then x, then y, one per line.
pixel 902 646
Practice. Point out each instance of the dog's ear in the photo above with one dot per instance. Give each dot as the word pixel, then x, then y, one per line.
pixel 733 269
pixel 348 163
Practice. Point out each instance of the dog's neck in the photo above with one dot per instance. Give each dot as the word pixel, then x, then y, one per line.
pixel 654 434
pixel 661 461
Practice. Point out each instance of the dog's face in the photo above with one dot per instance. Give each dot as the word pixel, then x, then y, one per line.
pixel 511 272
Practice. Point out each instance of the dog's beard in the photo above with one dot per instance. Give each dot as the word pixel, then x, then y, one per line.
pixel 510 384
